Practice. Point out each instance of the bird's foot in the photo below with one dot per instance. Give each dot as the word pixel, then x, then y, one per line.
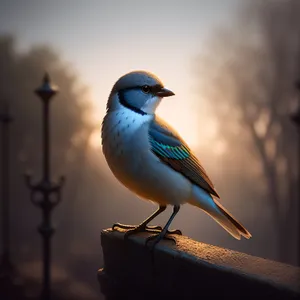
pixel 153 240
pixel 174 231
pixel 142 228
pixel 136 228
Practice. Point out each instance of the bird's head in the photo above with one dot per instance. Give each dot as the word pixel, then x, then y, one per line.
pixel 139 91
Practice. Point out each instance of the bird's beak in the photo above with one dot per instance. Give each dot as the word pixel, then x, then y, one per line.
pixel 163 92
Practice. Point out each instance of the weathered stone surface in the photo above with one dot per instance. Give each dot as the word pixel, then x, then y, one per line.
pixel 189 270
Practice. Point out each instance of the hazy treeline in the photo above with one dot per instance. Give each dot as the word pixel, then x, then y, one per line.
pixel 249 77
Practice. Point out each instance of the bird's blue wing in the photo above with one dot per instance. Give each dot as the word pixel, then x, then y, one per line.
pixel 170 148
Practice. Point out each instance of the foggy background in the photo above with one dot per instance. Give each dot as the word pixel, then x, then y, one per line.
pixel 233 67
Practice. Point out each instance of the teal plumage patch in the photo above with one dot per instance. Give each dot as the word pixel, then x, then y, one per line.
pixel 174 152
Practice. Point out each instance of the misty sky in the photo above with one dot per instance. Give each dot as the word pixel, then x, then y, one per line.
pixel 102 40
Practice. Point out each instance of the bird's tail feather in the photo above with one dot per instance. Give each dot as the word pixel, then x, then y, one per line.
pixel 215 210
pixel 242 230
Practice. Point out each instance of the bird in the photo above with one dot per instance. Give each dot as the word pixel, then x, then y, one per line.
pixel 152 160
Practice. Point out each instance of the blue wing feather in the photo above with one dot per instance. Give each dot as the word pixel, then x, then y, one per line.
pixel 167 144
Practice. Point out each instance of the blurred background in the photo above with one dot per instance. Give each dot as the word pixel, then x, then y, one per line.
pixel 233 66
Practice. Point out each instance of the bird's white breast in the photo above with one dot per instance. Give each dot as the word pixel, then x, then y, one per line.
pixel 120 137
pixel 126 147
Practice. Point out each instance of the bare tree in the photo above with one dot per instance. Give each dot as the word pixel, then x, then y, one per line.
pixel 249 78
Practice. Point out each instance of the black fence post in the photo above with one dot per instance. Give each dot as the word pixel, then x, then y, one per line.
pixel 46 194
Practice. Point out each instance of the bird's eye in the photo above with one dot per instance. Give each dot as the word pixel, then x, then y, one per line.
pixel 146 89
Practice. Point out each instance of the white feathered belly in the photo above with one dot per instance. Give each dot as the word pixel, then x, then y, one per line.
pixel 126 147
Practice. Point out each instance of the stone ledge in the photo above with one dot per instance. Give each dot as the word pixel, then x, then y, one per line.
pixel 189 270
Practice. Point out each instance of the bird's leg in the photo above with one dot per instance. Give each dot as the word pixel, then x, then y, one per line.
pixel 143 226
pixel 156 238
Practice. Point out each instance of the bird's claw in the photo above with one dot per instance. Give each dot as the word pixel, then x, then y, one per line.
pixel 122 226
pixel 174 231
pixel 154 227
pixel 153 240
pixel 136 228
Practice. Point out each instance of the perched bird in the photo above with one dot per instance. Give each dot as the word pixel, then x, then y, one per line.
pixel 151 159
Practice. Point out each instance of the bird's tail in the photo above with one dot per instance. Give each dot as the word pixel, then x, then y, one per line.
pixel 214 209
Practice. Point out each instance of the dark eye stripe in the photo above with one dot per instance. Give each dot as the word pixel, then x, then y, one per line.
pixel 153 90
pixel 123 101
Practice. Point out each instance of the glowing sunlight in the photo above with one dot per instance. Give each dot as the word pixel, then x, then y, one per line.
pixel 95 139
